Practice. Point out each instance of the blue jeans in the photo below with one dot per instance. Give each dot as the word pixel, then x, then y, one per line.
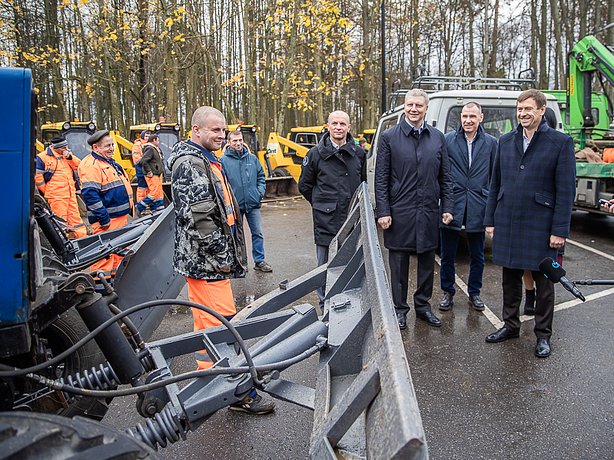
pixel 449 245
pixel 255 227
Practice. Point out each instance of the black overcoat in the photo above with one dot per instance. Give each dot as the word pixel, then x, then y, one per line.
pixel 470 183
pixel 329 178
pixel 531 196
pixel 412 173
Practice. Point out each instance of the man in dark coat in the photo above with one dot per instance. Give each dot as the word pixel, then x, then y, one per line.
pixel 528 212
pixel 472 152
pixel 412 174
pixel 331 173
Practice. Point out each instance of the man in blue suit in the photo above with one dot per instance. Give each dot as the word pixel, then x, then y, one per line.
pixel 528 212
pixel 471 152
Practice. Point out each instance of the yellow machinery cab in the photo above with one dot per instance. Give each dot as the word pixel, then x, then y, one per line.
pixel 168 133
pixel 250 136
pixel 75 132
pixel 367 135
pixel 307 136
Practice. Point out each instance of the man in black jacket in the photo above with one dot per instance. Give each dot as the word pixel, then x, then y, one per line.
pixel 332 171
pixel 412 173
pixel 153 170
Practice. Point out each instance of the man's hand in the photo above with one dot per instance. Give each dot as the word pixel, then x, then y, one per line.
pixel 490 231
pixel 385 222
pixel 447 218
pixel 149 174
pixel 556 241
pixel 609 207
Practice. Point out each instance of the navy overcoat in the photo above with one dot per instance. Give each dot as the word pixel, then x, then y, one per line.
pixel 470 183
pixel 531 196
pixel 412 173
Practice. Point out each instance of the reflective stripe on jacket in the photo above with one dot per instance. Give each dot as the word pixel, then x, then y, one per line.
pixel 105 189
pixel 55 174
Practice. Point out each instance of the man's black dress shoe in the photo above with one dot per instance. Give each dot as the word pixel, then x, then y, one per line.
pixel 447 302
pixel 542 347
pixel 476 302
pixel 402 319
pixel 502 335
pixel 430 318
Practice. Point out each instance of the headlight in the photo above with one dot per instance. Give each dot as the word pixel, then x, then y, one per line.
pixel 158 127
pixel 177 127
pixel 324 130
pixel 253 129
pixel 91 127
pixel 66 126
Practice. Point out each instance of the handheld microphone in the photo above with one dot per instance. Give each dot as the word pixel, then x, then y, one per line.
pixel 555 273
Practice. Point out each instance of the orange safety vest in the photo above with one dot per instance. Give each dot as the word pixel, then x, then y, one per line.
pixel 137 151
pixel 230 211
pixel 56 180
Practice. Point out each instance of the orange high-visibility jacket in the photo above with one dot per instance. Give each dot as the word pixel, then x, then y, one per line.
pixel 105 189
pixel 137 151
pixel 55 175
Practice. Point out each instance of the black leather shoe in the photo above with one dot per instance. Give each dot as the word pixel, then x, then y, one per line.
pixel 447 302
pixel 542 347
pixel 476 302
pixel 430 318
pixel 402 319
pixel 502 335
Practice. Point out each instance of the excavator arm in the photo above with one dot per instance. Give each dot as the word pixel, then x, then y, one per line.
pixel 588 57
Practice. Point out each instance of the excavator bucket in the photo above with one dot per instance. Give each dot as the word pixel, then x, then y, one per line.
pixel 282 163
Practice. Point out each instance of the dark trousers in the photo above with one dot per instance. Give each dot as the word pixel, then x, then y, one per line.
pixel 322 256
pixel 449 246
pixel 399 278
pixel 544 303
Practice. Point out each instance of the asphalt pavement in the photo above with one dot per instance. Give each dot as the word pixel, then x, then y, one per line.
pixel 477 400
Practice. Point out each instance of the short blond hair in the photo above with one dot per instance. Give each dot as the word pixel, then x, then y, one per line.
pixel 417 93
pixel 339 113
pixel 202 114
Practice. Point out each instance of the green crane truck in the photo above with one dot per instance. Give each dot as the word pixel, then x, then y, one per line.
pixel 590 61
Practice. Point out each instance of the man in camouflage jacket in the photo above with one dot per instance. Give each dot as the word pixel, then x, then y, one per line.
pixel 209 242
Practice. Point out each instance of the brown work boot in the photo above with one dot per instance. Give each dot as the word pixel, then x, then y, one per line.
pixel 254 406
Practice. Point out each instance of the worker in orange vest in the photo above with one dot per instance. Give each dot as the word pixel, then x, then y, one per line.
pixel 56 169
pixel 209 242
pixel 106 191
pixel 137 154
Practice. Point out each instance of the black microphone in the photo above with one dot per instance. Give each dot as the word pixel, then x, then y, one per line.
pixel 555 273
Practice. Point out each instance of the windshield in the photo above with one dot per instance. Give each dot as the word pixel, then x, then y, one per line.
pixel 167 140
pixel 497 120
pixel 249 139
pixel 77 140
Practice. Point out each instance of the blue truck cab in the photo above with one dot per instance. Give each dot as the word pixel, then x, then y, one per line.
pixel 17 137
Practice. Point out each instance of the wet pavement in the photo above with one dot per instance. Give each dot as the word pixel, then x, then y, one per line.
pixel 478 400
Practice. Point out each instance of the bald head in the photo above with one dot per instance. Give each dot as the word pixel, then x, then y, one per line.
pixel 339 114
pixel 208 128
pixel 339 127
pixel 202 114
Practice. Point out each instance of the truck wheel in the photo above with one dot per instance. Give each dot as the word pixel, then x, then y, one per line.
pixel 44 436
pixel 62 334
